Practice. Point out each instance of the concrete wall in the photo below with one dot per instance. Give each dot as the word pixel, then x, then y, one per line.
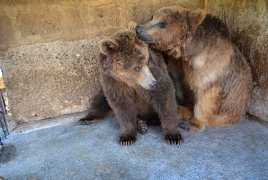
pixel 48 50
pixel 50 79
pixel 248 22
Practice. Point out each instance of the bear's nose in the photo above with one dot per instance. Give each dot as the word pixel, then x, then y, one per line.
pixel 138 29
pixel 153 84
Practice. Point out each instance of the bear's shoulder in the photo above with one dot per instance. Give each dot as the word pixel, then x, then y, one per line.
pixel 212 25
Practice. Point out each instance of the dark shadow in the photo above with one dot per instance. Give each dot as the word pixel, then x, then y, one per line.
pixel 8 153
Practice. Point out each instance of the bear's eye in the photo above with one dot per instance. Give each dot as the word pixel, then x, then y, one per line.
pixel 162 25
pixel 141 57
pixel 138 52
pixel 127 63
pixel 137 69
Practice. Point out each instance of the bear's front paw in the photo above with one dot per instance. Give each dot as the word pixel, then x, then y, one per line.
pixel 127 140
pixel 174 139
pixel 142 127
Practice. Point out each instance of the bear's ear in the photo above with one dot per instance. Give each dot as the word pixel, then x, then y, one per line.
pixel 196 18
pixel 108 46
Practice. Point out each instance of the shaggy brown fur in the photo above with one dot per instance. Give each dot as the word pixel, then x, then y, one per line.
pixel 184 95
pixel 136 85
pixel 214 69
pixel 175 72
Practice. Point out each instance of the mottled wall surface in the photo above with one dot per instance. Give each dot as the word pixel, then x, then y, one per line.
pixel 248 22
pixel 48 50
pixel 51 79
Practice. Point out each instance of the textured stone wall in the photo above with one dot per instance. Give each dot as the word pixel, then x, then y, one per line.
pixel 51 79
pixel 48 50
pixel 248 22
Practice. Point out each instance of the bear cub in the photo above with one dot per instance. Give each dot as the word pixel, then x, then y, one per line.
pixel 136 85
pixel 215 70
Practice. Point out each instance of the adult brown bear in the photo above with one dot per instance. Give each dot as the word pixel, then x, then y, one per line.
pixel 136 85
pixel 214 69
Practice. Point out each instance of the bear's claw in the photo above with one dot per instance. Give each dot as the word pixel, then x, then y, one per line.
pixel 127 140
pixel 127 143
pixel 174 139
pixel 142 127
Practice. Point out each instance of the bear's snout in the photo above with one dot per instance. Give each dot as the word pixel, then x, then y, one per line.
pixel 153 84
pixel 147 80
pixel 143 34
pixel 138 30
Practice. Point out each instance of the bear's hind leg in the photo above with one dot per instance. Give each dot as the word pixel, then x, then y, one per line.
pixel 192 125
pixel 184 113
pixel 99 107
pixel 204 110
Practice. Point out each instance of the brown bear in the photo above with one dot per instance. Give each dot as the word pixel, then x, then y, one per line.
pixel 214 69
pixel 136 84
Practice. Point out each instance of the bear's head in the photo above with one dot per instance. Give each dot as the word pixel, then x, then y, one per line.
pixel 170 28
pixel 125 58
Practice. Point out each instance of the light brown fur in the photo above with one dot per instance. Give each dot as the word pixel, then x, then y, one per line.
pixel 214 69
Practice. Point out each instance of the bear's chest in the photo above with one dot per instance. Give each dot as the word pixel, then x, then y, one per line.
pixel 142 103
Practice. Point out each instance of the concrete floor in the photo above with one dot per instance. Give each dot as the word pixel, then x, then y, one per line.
pixel 72 151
